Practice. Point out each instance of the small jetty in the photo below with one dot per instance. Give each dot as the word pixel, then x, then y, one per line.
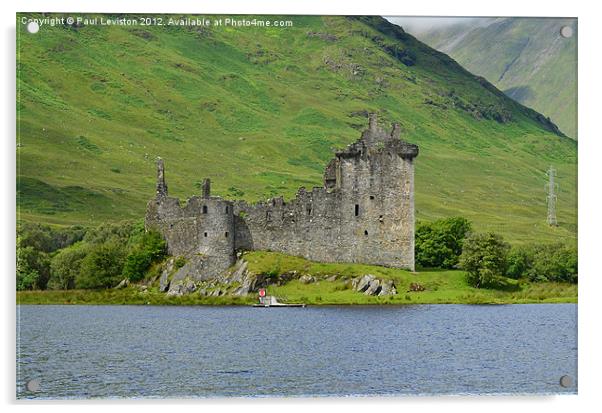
pixel 271 301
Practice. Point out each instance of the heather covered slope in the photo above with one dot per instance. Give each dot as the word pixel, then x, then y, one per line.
pixel 259 111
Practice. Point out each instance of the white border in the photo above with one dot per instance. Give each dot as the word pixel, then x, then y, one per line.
pixel 589 174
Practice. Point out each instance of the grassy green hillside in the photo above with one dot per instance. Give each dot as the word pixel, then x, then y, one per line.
pixel 259 111
pixel 525 57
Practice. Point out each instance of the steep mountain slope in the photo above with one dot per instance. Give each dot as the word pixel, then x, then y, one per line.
pixel 527 58
pixel 259 111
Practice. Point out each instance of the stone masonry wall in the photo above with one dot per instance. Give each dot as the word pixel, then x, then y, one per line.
pixel 363 214
pixel 202 230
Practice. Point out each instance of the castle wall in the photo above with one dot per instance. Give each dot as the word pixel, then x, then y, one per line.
pixel 323 225
pixel 364 213
pixel 203 229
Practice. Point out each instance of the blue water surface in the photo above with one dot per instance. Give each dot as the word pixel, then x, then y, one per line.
pixel 166 352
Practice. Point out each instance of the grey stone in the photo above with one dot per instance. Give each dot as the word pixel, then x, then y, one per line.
pixel 387 288
pixel 182 287
pixel 373 288
pixel 124 283
pixel 164 278
pixel 362 284
pixel 307 279
pixel 370 285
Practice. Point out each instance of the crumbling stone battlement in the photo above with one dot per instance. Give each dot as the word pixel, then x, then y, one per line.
pixel 364 213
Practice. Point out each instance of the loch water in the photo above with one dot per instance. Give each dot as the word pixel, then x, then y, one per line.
pixel 198 351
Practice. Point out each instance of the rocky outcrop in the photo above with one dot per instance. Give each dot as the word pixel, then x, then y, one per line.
pixel 307 279
pixel 165 278
pixel 182 287
pixel 241 276
pixel 388 288
pixel 239 281
pixel 197 269
pixel 370 285
pixel 361 284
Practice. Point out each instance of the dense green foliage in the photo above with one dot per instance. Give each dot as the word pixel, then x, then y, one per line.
pixel 101 267
pixel 147 248
pixel 439 243
pixel 544 262
pixel 48 239
pixel 67 258
pixel 33 269
pixel 66 267
pixel 36 244
pixel 485 259
pixel 519 261
pixel 97 104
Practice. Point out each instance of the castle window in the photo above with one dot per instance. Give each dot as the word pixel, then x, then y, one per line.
pixel 268 216
pixel 357 210
pixel 273 202
pixel 366 232
pixel 371 196
pixel 309 210
pixel 226 209
pixel 205 235
pixel 204 209
pixel 226 234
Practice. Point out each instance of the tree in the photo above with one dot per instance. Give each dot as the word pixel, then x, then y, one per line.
pixel 554 262
pixel 520 259
pixel 544 262
pixel 148 247
pixel 48 239
pixel 66 266
pixel 439 243
pixel 484 257
pixel 33 269
pixel 102 266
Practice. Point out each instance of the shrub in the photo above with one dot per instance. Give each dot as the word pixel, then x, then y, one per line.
pixel 95 258
pixel 439 243
pixel 117 233
pixel 65 267
pixel 146 249
pixel 33 268
pixel 553 262
pixel 544 262
pixel 520 259
pixel 484 257
pixel 47 239
pixel 101 267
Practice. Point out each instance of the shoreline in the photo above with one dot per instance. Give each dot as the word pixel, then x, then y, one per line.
pixel 135 297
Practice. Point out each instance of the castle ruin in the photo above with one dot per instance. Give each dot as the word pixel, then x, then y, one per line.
pixel 363 213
